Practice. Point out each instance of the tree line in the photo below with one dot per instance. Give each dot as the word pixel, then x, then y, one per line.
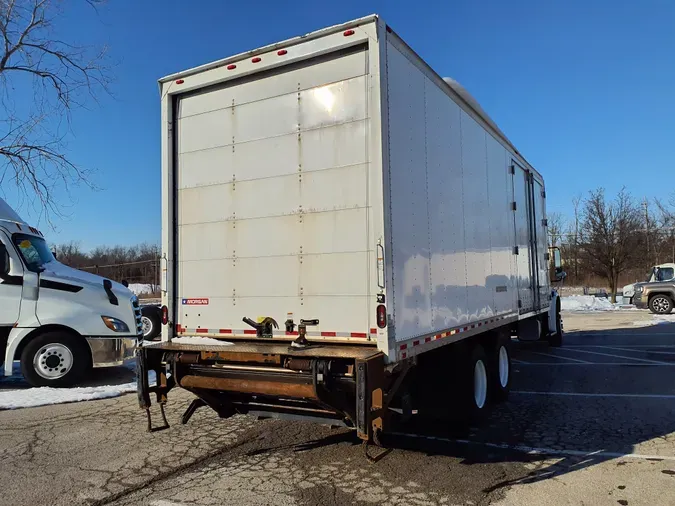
pixel 610 242
pixel 135 264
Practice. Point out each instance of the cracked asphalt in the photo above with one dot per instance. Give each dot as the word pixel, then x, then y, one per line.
pixel 590 423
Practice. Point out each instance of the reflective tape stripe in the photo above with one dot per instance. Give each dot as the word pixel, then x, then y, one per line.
pixel 277 333
pixel 416 342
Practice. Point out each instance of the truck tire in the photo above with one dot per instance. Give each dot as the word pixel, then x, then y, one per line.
pixel 555 337
pixel 152 322
pixel 476 386
pixel 501 368
pixel 661 304
pixel 55 359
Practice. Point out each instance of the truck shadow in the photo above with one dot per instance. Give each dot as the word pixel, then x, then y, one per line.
pixel 558 420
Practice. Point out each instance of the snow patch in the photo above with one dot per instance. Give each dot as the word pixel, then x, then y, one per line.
pixel 656 320
pixel 586 303
pixel 32 397
pixel 200 341
pixel 44 396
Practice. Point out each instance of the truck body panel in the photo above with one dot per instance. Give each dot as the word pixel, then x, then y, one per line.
pixel 272 199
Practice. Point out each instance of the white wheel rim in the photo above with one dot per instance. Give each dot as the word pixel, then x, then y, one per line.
pixel 147 325
pixel 660 304
pixel 503 367
pixel 479 384
pixel 53 361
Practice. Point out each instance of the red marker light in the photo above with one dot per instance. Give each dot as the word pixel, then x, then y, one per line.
pixel 348 33
pixel 381 316
pixel 165 315
pixel 231 67
pixel 180 81
pixel 257 59
pixel 282 52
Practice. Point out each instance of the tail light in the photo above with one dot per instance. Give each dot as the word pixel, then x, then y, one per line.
pixel 165 315
pixel 381 316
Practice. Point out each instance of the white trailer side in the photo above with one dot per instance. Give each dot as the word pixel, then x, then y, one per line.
pixel 466 230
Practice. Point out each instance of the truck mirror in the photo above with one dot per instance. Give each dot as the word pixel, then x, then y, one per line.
pixel 4 259
pixel 558 273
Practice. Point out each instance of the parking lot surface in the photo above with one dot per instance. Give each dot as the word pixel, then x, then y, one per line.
pixel 590 423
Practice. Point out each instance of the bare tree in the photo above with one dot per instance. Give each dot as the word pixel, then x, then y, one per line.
pixel 611 235
pixel 557 224
pixel 70 254
pixel 42 80
pixel 576 203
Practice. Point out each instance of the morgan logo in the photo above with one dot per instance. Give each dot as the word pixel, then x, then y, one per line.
pixel 195 302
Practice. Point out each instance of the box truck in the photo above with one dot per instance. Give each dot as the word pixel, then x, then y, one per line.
pixel 55 320
pixel 347 237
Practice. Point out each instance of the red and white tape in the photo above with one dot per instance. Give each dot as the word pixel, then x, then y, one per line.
pixel 277 333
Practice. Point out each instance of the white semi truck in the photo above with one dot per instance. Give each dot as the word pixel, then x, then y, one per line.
pixel 354 235
pixel 57 321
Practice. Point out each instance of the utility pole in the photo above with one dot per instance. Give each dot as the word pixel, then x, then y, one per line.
pixel 645 204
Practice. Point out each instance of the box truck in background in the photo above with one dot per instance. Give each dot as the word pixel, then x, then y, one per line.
pixel 346 237
pixel 58 321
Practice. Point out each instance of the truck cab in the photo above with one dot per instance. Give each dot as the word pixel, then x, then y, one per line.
pixel 57 321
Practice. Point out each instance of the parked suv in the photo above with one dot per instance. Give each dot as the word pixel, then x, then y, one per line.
pixel 658 296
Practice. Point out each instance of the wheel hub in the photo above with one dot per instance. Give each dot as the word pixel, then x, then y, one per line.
pixel 53 361
pixel 660 304
pixel 479 384
pixel 503 367
pixel 147 325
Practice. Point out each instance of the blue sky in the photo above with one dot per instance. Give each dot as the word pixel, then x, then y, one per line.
pixel 584 89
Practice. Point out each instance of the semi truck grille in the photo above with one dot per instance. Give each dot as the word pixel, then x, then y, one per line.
pixel 137 315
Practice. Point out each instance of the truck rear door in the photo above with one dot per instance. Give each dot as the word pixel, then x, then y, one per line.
pixel 272 200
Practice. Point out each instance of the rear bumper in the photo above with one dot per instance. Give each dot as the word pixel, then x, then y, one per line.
pixel 110 352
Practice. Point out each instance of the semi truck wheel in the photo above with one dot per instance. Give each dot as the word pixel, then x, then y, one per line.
pixel 476 387
pixel 555 337
pixel 151 318
pixel 661 304
pixel 501 368
pixel 55 359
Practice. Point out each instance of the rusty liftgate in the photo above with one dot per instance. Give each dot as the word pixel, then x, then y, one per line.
pixel 339 385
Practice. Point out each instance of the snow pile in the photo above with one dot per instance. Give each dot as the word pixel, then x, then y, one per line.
pixel 200 340
pixel 43 396
pixel 142 288
pixel 32 397
pixel 586 303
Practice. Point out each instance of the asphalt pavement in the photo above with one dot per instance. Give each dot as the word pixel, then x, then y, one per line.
pixel 590 423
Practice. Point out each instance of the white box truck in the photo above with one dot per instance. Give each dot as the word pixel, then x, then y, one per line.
pixel 346 237
pixel 55 320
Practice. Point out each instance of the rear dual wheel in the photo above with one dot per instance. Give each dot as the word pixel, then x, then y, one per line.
pixel 490 380
pixel 475 377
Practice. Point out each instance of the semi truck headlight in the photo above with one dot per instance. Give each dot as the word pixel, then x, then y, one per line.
pixel 114 324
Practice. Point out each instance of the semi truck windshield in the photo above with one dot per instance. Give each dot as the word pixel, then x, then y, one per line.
pixel 34 251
